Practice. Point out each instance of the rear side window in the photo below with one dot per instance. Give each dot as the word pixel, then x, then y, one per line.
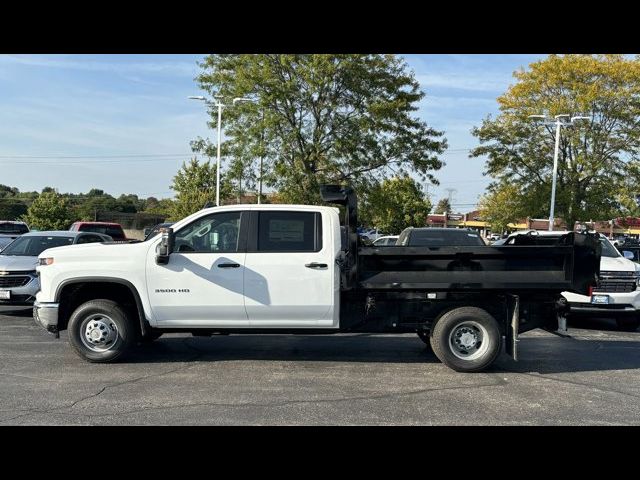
pixel 13 228
pixel 114 232
pixel 90 239
pixel 289 232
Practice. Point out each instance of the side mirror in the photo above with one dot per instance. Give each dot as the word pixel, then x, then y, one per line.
pixel 165 248
pixel 627 254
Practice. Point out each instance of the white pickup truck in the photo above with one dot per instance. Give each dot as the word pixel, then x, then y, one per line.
pixel 618 293
pixel 287 268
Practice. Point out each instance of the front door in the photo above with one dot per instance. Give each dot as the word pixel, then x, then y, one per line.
pixel 289 270
pixel 202 285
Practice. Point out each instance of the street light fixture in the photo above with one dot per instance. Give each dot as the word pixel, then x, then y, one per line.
pixel 219 105
pixel 558 123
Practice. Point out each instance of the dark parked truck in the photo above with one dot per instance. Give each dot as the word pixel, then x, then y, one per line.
pixel 288 269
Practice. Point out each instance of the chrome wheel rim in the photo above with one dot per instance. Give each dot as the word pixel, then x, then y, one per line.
pixel 469 340
pixel 99 333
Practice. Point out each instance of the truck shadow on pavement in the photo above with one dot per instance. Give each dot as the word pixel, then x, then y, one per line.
pixel 538 354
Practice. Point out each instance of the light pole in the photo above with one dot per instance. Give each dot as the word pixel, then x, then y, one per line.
pixel 558 123
pixel 220 106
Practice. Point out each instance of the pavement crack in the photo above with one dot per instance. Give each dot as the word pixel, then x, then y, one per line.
pixel 570 382
pixel 276 404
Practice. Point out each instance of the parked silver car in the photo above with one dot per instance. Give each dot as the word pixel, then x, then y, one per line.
pixel 10 230
pixel 18 280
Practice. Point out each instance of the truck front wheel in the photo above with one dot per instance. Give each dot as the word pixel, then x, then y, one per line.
pixel 466 339
pixel 100 331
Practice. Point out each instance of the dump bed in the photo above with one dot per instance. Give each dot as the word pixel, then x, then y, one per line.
pixel 570 265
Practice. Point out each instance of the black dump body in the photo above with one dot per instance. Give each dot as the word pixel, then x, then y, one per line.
pixel 531 264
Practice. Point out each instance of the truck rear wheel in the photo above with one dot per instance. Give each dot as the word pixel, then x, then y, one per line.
pixel 100 331
pixel 466 339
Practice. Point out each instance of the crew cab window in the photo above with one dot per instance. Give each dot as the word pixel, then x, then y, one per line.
pixel 289 232
pixel 90 239
pixel 216 233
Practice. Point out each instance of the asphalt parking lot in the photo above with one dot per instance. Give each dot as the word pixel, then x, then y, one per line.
pixel 360 379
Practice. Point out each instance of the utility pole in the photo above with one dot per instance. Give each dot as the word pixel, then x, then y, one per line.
pixel 261 158
pixel 450 199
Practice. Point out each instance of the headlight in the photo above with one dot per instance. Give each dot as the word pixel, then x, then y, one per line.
pixel 45 261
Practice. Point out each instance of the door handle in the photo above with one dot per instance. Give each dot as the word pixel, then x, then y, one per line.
pixel 228 265
pixel 315 265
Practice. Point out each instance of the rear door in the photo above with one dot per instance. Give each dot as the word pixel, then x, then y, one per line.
pixel 289 270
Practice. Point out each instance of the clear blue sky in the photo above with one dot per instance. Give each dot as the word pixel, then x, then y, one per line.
pixel 98 105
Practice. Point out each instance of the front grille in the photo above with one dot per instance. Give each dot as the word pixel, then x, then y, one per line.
pixel 14 281
pixel 612 286
pixel 616 282
pixel 18 300
pixel 614 274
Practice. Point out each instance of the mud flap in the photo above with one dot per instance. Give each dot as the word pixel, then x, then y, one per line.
pixel 561 330
pixel 511 340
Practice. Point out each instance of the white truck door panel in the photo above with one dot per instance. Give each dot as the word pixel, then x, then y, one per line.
pixel 289 270
pixel 202 285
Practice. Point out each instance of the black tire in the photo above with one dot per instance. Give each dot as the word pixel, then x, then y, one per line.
pixel 628 324
pixel 458 322
pixel 120 332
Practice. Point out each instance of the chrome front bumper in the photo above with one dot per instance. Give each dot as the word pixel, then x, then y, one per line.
pixel 46 315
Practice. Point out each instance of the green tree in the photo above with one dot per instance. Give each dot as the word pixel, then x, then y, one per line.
pixel 501 206
pixel 596 158
pixel 163 207
pixel 50 211
pixel 129 203
pixel 11 205
pixel 323 118
pixel 395 204
pixel 195 185
pixel 443 206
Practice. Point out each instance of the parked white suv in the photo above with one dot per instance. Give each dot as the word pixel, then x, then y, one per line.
pixel 618 295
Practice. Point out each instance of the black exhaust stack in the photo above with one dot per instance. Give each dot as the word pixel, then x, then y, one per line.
pixel 345 195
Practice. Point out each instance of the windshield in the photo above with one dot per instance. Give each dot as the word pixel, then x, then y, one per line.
pixel 608 250
pixel 13 228
pixel 443 238
pixel 34 246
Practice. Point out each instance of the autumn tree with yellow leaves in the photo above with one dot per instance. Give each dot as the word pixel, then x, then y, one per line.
pixel 598 165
